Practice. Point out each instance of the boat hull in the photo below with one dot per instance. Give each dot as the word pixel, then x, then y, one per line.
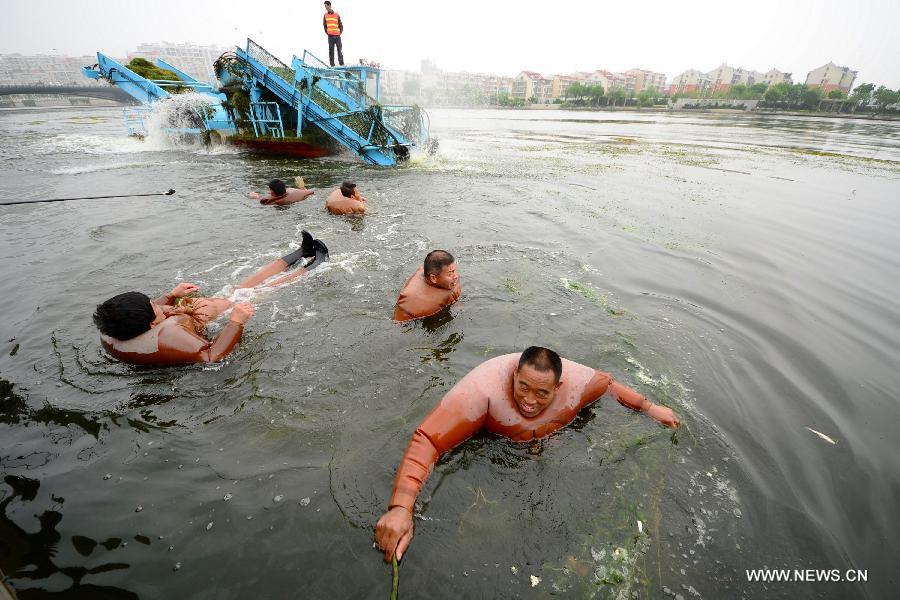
pixel 286 148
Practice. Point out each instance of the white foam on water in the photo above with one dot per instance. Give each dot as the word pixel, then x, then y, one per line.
pixel 392 231
pixel 178 111
pixel 94 168
pixel 91 144
pixel 347 260
pixel 219 265
pixel 222 149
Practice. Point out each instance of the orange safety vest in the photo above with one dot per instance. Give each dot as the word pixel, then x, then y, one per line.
pixel 338 204
pixel 420 299
pixel 484 399
pixel 331 23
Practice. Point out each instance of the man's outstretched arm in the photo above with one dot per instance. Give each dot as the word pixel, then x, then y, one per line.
pixel 458 417
pixel 229 337
pixel 629 398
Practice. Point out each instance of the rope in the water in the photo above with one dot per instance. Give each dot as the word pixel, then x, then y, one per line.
pixel 169 193
pixel 396 570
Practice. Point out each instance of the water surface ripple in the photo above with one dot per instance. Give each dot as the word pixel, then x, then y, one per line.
pixel 743 270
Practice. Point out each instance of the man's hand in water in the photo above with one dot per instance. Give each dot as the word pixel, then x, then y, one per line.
pixel 254 195
pixel 664 415
pixel 183 289
pixel 394 530
pixel 241 312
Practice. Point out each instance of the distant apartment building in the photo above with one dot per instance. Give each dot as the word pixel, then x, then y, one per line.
pixel 196 61
pixel 561 85
pixel 440 87
pixel 45 69
pixel 610 80
pixel 831 77
pixel 689 82
pixel 597 77
pixel 647 80
pixel 623 81
pixel 528 84
pixel 495 85
pixel 774 77
pixel 724 76
pixel 601 77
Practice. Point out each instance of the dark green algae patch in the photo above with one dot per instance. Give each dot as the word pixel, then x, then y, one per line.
pixel 588 293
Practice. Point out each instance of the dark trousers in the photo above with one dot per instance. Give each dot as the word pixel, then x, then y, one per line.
pixel 334 41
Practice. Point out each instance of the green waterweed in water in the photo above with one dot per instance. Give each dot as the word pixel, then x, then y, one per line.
pixel 598 299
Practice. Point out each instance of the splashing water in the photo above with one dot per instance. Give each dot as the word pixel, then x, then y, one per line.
pixel 165 120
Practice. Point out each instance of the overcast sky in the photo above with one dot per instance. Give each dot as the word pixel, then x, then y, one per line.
pixel 502 37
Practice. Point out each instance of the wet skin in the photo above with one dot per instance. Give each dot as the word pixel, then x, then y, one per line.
pixel 534 390
pixel 446 279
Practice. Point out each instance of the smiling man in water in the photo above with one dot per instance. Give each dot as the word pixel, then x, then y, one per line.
pixel 519 396
pixel 431 289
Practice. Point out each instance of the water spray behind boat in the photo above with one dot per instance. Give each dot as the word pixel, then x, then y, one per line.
pixel 178 121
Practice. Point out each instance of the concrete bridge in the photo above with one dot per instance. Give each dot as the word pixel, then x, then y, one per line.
pixel 90 91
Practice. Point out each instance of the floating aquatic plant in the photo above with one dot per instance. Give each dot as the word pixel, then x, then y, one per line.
pixel 598 299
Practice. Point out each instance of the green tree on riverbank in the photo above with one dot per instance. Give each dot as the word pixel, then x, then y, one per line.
pixel 884 97
pixel 582 94
pixel 509 101
pixel 863 93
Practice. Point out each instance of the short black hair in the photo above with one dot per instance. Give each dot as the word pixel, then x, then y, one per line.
pixel 124 316
pixel 327 3
pixel 436 261
pixel 278 188
pixel 347 188
pixel 542 359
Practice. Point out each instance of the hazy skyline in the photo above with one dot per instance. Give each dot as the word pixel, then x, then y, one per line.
pixel 500 37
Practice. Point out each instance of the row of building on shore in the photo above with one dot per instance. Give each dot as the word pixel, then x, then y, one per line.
pixel 531 86
pixel 432 85
pixel 61 70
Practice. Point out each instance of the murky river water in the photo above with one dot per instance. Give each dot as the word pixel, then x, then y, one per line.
pixel 743 271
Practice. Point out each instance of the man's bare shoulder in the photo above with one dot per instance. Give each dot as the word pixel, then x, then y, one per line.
pixel 576 371
pixel 490 377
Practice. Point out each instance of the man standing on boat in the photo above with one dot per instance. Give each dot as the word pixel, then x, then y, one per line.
pixel 333 28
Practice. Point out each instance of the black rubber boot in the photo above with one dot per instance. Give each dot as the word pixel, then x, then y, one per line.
pixel 307 249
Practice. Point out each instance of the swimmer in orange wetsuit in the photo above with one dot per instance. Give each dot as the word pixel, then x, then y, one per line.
pixel 519 396
pixel 346 200
pixel 141 331
pixel 279 195
pixel 432 288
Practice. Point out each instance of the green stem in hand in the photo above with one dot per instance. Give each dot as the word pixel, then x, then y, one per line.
pixel 396 570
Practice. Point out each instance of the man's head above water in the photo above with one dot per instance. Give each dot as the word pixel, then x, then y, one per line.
pixel 277 187
pixel 536 380
pixel 440 269
pixel 125 316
